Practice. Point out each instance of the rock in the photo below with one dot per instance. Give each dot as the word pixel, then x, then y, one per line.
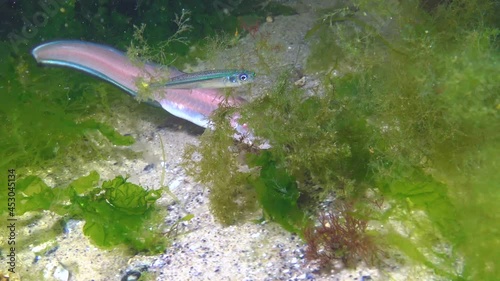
pixel 61 273
pixel 131 276
pixel 301 82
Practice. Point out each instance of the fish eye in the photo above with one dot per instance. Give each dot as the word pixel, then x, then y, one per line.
pixel 243 77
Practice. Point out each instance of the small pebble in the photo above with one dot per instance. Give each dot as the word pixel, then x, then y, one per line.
pixel 131 276
pixel 61 273
pixel 301 82
pixel 269 19
pixel 149 167
pixel 36 259
pixel 70 226
pixel 302 277
pixel 255 235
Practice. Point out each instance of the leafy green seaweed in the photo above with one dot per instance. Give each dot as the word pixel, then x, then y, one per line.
pixel 36 195
pixel 117 213
pixel 277 192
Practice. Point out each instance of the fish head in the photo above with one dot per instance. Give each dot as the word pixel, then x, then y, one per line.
pixel 240 77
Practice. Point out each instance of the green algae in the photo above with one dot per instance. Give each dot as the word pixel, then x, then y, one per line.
pixel 47 125
pixel 408 117
pixel 214 165
pixel 431 114
pixel 272 175
pixel 277 192
pixel 116 213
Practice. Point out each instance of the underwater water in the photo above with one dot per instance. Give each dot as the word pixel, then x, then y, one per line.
pixel 366 146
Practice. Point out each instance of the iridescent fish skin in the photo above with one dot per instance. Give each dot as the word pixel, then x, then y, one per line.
pixel 211 79
pixel 192 104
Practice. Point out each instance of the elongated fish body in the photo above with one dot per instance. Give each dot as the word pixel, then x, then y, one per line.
pixel 211 79
pixel 99 60
pixel 192 104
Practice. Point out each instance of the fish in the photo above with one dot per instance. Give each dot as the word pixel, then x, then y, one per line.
pixel 190 96
pixel 211 79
